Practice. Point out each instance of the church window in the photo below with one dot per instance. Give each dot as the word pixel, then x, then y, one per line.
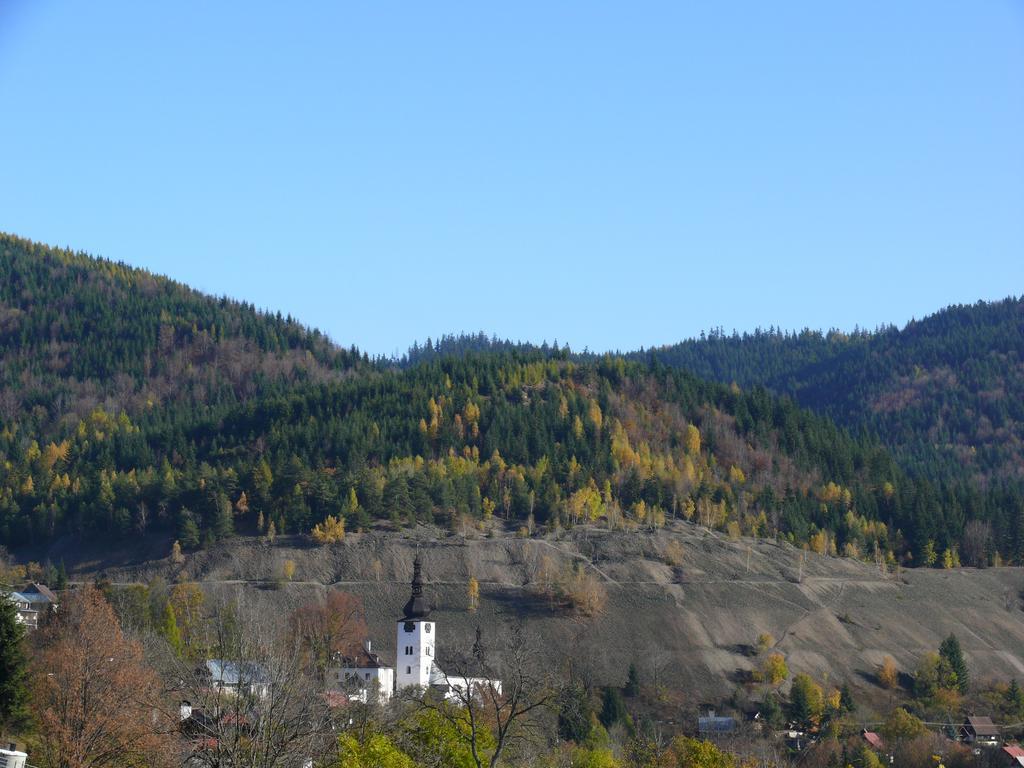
pixel 426 628
pixel 408 670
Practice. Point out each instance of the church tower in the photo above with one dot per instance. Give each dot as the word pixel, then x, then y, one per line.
pixel 414 651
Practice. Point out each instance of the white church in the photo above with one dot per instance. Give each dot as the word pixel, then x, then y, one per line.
pixel 415 653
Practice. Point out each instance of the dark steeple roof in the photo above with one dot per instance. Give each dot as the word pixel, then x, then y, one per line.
pixel 417 608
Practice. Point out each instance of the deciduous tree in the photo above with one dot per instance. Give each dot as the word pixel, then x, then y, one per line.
pixel 93 694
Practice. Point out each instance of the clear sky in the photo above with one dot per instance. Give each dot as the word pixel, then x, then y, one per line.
pixel 606 174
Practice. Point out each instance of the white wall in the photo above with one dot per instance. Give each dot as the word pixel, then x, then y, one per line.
pixel 413 669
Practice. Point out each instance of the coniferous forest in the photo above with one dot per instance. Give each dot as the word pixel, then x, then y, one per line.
pixel 131 404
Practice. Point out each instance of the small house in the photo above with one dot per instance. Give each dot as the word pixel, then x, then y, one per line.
pixel 711 725
pixel 362 673
pixel 981 731
pixel 32 603
pixel 12 758
pixel 873 739
pixel 234 678
pixel 1013 756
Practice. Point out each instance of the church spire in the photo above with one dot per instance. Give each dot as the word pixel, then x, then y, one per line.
pixel 417 607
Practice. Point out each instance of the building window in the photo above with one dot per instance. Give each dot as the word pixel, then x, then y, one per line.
pixel 426 628
pixel 367 675
pixel 408 670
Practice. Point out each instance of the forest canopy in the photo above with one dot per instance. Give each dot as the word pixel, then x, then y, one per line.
pixel 132 404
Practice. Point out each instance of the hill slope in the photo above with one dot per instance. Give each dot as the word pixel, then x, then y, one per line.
pixel 690 627
pixel 199 418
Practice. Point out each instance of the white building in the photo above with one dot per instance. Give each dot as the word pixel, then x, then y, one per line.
pixel 362 676
pixel 12 758
pixel 416 638
pixel 32 603
pixel 416 650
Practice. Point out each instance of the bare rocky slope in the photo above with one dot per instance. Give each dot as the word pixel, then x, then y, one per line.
pixel 694 626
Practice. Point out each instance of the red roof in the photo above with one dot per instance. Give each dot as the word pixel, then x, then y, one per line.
pixel 873 739
pixel 1014 751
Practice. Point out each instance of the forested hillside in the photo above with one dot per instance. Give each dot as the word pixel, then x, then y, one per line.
pixel 133 404
pixel 945 393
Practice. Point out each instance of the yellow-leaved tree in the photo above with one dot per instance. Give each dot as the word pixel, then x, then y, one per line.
pixel 330 531
pixel 692 440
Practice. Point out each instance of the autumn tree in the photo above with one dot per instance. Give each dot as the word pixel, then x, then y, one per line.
pixel 187 601
pixel 584 591
pixel 473 594
pixel 774 669
pixel 685 752
pixel 900 725
pixel 887 674
pixel 330 531
pixel 93 695
pixel 177 557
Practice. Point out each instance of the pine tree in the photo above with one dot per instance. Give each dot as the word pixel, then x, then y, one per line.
pixel 61 582
pixel 632 682
pixel 1015 699
pixel 13 668
pixel 613 708
pixel 846 702
pixel 951 652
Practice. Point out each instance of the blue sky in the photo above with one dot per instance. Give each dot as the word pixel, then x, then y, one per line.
pixel 610 175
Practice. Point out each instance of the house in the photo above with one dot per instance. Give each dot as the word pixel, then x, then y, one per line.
pixel 12 758
pixel 1013 756
pixel 362 674
pixel 33 603
pixel 981 731
pixel 234 678
pixel 873 739
pixel 715 725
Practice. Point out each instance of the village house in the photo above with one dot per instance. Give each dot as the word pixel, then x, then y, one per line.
pixel 233 678
pixel 711 725
pixel 362 675
pixel 980 731
pixel 1013 756
pixel 32 603
pixel 12 758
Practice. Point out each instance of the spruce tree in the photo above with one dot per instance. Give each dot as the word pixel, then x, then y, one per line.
pixel 632 682
pixel 613 708
pixel 951 652
pixel 1015 699
pixel 13 668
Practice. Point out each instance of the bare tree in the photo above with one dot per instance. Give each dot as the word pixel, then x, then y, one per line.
pixel 335 626
pixel 504 692
pixel 977 538
pixel 251 702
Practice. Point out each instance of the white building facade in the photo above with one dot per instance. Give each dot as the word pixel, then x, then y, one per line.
pixel 416 638
pixel 363 676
